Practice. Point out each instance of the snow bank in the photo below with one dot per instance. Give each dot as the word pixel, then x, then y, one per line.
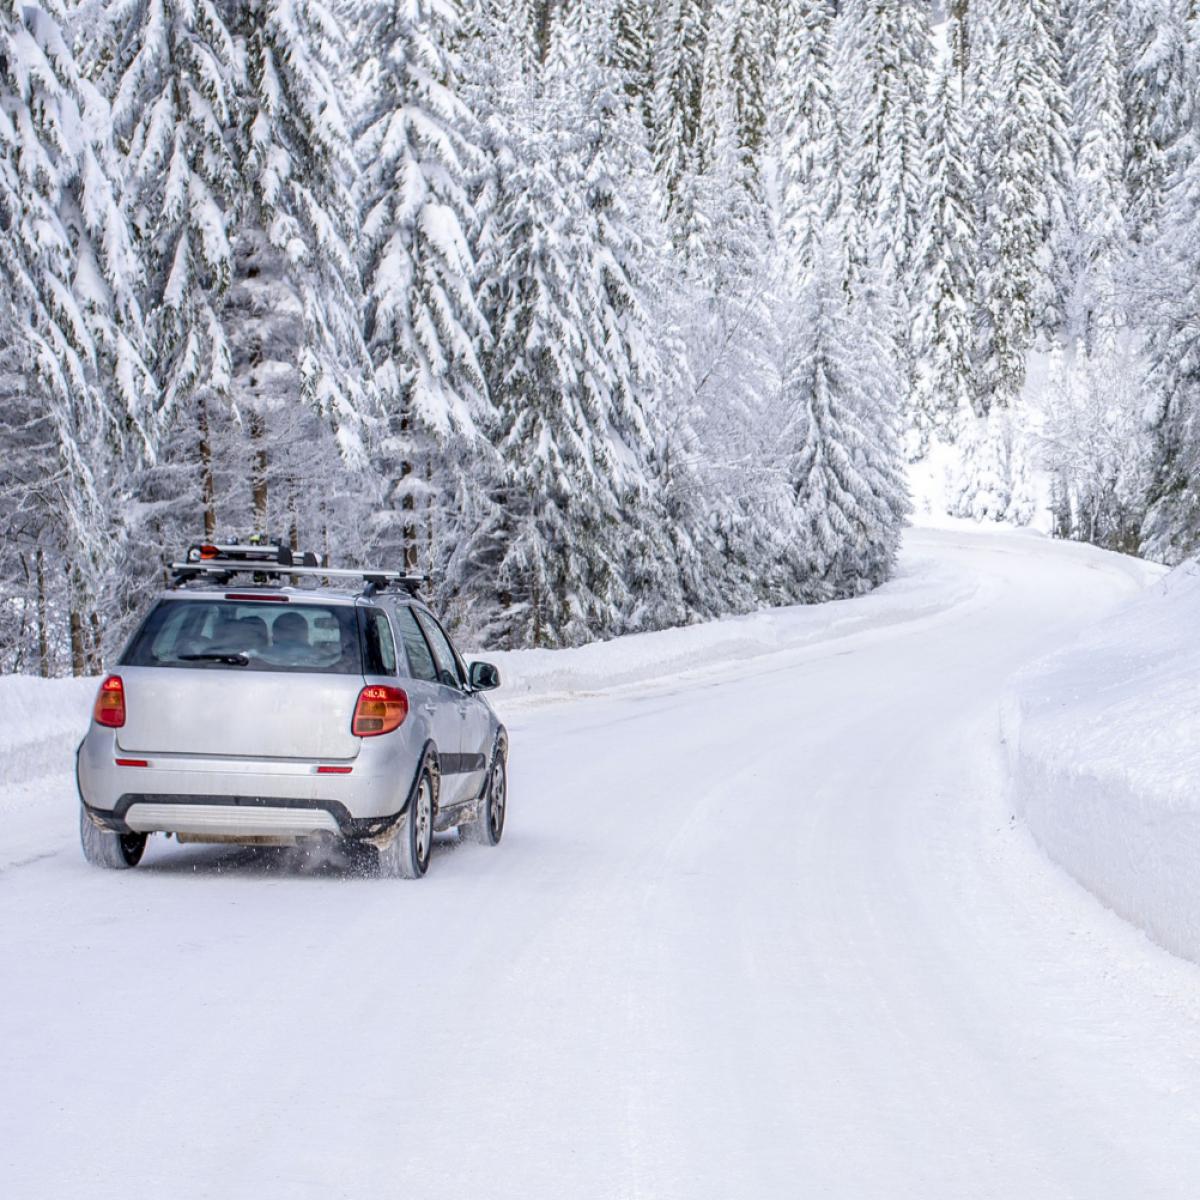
pixel 924 585
pixel 40 716
pixel 1104 744
pixel 42 723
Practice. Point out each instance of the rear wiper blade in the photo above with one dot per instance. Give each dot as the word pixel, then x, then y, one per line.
pixel 235 659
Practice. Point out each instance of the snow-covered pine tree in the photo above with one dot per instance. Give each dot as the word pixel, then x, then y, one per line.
pixel 1022 114
pixel 542 564
pixel 947 253
pixel 1171 531
pixel 748 42
pixel 170 68
pixel 678 97
pixel 418 145
pixel 1094 445
pixel 733 271
pixel 301 368
pixel 892 188
pixel 633 54
pixel 842 392
pixel 642 350
pixel 891 48
pixel 78 394
pixel 805 117
pixel 171 81
pixel 993 481
pixel 1158 104
pixel 1101 246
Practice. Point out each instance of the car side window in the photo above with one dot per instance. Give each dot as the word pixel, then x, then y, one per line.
pixel 449 672
pixel 378 644
pixel 416 648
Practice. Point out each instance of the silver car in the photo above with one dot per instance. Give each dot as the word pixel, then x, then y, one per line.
pixel 248 712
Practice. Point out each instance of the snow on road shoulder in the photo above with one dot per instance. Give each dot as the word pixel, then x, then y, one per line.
pixel 1104 747
pixel 926 583
pixel 44 720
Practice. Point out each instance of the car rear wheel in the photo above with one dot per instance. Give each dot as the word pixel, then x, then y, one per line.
pixel 104 848
pixel 406 856
pixel 488 827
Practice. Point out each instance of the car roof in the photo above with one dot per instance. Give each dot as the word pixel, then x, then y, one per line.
pixel 317 595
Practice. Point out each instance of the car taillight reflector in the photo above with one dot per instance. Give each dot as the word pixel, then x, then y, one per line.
pixel 379 710
pixel 334 770
pixel 110 703
pixel 131 762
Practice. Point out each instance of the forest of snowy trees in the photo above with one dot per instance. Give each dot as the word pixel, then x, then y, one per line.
pixel 610 314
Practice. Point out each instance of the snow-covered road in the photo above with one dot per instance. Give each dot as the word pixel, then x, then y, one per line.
pixel 764 931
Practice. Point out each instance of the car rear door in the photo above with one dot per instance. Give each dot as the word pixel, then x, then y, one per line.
pixel 436 698
pixel 472 758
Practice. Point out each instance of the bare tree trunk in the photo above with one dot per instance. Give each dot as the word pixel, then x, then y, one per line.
pixel 75 623
pixel 960 47
pixel 428 514
pixel 43 623
pixel 208 489
pixel 408 529
pixel 95 650
pixel 543 26
pixel 258 440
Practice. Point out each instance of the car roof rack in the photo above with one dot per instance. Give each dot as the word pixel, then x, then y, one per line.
pixel 268 560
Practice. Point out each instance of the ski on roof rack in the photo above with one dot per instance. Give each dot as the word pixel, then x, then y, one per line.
pixel 267 560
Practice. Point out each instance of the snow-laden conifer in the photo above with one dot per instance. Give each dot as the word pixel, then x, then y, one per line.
pixel 78 393
pixel 172 86
pixel 292 315
pixel 171 71
pixel 426 330
pixel 809 136
pixel 1158 105
pixel 947 262
pixel 1101 247
pixel 1172 527
pixel 678 95
pixel 842 390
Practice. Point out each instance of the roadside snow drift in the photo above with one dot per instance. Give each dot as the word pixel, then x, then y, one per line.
pixel 1104 743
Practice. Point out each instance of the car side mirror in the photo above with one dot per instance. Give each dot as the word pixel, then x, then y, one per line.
pixel 483 676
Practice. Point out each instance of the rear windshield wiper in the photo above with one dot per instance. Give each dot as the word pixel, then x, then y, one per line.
pixel 233 659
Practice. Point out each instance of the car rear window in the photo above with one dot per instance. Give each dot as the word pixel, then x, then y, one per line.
pixel 224 634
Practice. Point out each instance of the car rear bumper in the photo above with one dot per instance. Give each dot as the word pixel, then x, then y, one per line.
pixel 199 796
pixel 236 818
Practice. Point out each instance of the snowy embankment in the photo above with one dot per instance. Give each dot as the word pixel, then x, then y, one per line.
pixel 1104 744
pixel 925 584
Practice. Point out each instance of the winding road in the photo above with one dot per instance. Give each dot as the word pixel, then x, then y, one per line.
pixel 765 931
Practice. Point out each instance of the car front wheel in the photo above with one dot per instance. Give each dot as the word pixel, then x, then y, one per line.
pixel 104 848
pixel 488 827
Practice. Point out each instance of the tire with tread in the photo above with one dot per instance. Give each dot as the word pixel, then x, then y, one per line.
pixel 104 848
pixel 488 826
pixel 407 855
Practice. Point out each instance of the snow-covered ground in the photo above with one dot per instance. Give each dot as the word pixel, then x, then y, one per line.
pixel 763 925
pixel 1104 738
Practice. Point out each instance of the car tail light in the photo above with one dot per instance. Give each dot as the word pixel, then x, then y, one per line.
pixel 379 710
pixel 110 703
